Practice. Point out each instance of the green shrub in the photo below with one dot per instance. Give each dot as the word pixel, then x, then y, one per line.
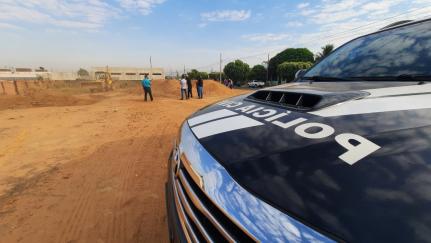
pixel 195 74
pixel 216 76
pixel 237 71
pixel 258 72
pixel 287 70
pixel 289 55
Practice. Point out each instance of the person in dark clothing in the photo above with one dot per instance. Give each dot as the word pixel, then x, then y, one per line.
pixel 200 87
pixel 189 87
pixel 146 84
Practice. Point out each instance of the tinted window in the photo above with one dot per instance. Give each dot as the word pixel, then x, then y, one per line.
pixel 400 51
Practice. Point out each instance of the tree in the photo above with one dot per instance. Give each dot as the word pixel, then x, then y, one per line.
pixel 203 75
pixel 216 75
pixel 289 55
pixel 326 50
pixel 83 73
pixel 258 72
pixel 195 74
pixel 237 71
pixel 287 70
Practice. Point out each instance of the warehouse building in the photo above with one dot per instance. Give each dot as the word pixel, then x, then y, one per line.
pixel 128 73
pixel 20 73
pixel 17 73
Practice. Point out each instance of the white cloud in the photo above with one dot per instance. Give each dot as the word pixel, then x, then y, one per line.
pixel 82 14
pixel 294 24
pixel 145 7
pixel 226 15
pixel 265 37
pixel 331 11
pixel 303 5
pixel 88 15
pixel 338 21
pixel 8 26
pixel 202 25
pixel 377 6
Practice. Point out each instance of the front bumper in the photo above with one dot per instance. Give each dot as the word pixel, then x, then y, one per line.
pixel 176 233
pixel 205 203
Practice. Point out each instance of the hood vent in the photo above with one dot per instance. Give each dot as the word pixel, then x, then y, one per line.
pixel 304 100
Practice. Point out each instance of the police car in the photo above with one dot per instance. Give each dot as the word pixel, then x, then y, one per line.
pixel 343 154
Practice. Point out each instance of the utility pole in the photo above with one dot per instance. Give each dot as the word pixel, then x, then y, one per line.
pixel 184 69
pixel 267 69
pixel 151 68
pixel 220 66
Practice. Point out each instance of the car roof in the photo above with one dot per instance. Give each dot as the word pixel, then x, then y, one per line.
pixel 398 24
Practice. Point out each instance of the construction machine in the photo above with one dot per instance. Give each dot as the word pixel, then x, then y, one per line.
pixel 102 83
pixel 105 79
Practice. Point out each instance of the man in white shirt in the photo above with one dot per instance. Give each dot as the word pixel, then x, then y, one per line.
pixel 183 83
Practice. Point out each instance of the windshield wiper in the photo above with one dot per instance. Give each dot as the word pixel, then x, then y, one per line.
pixel 326 78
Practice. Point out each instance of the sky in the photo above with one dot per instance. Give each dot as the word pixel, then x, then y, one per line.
pixel 64 35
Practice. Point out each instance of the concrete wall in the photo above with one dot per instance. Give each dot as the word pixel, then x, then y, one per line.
pixel 21 87
pixel 38 75
pixel 17 75
pixel 7 88
pixel 62 76
pixel 117 73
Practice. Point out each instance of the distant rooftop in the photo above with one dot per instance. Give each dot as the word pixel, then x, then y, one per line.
pixel 23 70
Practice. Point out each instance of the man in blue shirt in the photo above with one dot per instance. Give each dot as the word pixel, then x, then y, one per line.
pixel 146 84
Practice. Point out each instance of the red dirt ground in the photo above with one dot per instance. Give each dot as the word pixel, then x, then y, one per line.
pixel 90 168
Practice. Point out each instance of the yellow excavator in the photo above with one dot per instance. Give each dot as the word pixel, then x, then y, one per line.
pixel 106 80
pixel 102 83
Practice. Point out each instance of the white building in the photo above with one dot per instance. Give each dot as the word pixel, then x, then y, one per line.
pixel 30 74
pixel 128 73
pixel 17 74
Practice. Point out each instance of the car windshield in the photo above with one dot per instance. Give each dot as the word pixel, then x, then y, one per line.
pixel 402 53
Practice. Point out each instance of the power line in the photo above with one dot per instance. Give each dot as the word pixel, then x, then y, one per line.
pixel 356 34
pixel 326 38
pixel 377 22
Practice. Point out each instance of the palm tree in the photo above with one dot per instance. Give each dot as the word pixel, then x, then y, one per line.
pixel 326 50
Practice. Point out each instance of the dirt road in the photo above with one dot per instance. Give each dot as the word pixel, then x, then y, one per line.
pixel 90 173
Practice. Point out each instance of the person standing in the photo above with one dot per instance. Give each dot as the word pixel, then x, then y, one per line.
pixel 200 87
pixel 183 84
pixel 189 87
pixel 146 84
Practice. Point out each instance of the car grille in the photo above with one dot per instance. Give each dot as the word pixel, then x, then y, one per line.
pixel 200 218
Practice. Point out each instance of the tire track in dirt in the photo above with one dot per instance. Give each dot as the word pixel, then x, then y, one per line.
pixel 113 194
pixel 130 176
pixel 119 221
pixel 116 230
pixel 81 207
pixel 159 168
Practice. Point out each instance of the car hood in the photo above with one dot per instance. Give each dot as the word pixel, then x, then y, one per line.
pixel 358 170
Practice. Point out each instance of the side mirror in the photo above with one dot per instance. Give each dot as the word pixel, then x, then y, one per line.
pixel 300 73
